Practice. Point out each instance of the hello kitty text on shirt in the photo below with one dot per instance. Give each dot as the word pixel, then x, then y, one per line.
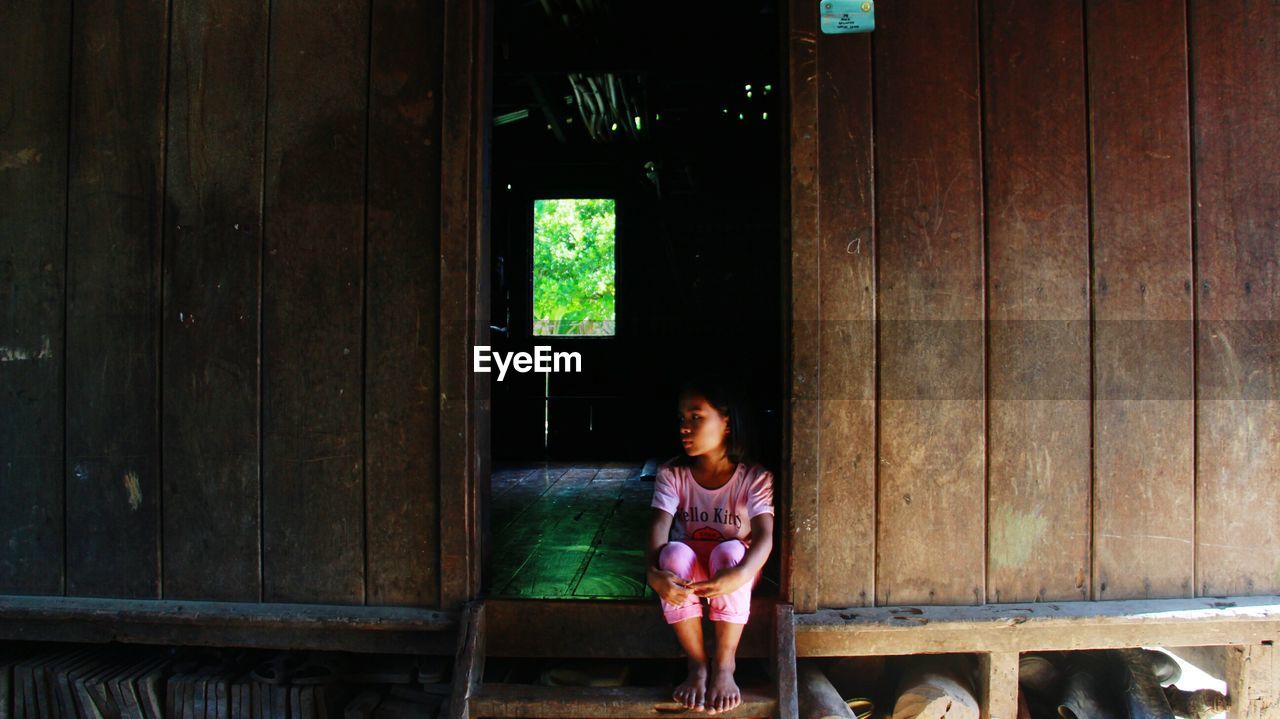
pixel 707 517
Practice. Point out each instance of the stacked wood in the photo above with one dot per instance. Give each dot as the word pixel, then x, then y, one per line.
pixel 818 697
pixel 6 686
pixel 854 676
pixel 131 682
pixel 936 687
pixel 401 703
pixel 1198 704
pixel 86 684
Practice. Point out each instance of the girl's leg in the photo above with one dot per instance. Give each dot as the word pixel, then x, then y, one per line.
pixel 735 607
pixel 722 691
pixel 692 692
pixel 729 612
pixel 679 559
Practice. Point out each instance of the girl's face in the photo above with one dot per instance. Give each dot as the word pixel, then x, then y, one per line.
pixel 702 428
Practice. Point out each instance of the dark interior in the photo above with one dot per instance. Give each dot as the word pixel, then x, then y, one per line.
pixel 699 231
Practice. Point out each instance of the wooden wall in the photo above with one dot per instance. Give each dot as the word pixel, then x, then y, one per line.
pixel 1036 301
pixel 220 299
pixel 1035 290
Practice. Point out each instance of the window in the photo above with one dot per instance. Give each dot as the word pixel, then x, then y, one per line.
pixel 574 267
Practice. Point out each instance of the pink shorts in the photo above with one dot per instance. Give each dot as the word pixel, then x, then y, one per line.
pixel 680 559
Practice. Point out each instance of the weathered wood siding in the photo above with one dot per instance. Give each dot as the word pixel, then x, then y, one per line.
pixel 1034 301
pixel 1036 293
pixel 220 310
pixel 33 273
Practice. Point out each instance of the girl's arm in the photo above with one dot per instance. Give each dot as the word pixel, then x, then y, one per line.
pixel 665 584
pixel 659 532
pixel 761 544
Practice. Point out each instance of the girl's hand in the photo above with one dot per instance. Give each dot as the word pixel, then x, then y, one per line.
pixel 670 587
pixel 726 581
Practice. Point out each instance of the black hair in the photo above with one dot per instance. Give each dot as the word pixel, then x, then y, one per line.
pixel 730 403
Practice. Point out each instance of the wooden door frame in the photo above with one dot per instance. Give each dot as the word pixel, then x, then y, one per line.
pixel 464 293
pixel 464 438
pixel 802 391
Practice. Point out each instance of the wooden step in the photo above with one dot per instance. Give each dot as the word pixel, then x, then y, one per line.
pixel 474 699
pixel 532 701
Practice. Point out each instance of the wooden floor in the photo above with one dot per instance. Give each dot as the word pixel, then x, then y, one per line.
pixel 571 531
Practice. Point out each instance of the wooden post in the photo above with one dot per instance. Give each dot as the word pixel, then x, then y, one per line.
pixel 998 685
pixel 783 667
pixel 800 528
pixel 1252 686
pixel 464 262
pixel 468 666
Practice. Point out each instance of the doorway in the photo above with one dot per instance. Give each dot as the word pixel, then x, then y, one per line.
pixel 637 185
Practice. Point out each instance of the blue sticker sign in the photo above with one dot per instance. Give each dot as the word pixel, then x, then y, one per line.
pixel 842 16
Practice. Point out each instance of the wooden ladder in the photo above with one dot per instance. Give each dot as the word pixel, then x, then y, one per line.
pixel 474 699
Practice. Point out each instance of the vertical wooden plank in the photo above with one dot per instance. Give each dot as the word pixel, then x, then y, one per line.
pixel 459 324
pixel 998 685
pixel 1235 73
pixel 783 668
pixel 1142 424
pixel 403 302
pixel 482 202
pixel 930 305
pixel 119 60
pixel 468 661
pixel 800 543
pixel 455 429
pixel 33 194
pixel 847 435
pixel 213 247
pixel 313 495
pixel 1253 682
pixel 1038 302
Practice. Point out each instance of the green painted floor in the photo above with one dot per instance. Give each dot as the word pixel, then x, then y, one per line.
pixel 569 531
pixel 572 531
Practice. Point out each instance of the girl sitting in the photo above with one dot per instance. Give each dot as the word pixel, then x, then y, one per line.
pixel 721 504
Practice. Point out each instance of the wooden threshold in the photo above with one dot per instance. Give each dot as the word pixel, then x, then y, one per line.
pixel 604 629
pixel 326 627
pixel 1045 626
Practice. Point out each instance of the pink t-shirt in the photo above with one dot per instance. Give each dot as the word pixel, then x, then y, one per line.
pixel 707 517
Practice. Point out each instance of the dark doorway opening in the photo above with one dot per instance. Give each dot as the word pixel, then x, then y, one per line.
pixel 673 114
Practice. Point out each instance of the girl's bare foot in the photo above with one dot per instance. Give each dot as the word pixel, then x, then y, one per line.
pixel 723 694
pixel 692 693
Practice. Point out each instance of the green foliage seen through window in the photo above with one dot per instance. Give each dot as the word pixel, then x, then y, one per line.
pixel 573 267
